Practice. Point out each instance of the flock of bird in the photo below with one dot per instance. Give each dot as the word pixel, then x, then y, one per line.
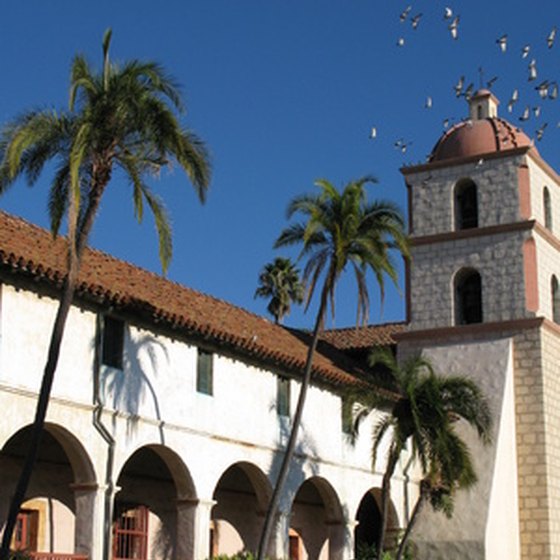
pixel 546 89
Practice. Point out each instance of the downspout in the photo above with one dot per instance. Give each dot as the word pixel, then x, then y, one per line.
pixel 406 483
pixel 106 435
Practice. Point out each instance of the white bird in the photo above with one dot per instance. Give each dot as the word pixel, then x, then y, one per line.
pixel 373 133
pixel 551 37
pixel 542 89
pixel 400 42
pixel 526 114
pixel 553 91
pixel 502 41
pixel 402 145
pixel 513 100
pixel 537 111
pixel 405 13
pixel 469 91
pixel 525 51
pixel 459 86
pixel 428 104
pixel 454 27
pixel 540 131
pixel 448 13
pixel 416 20
pixel 532 70
pixel 445 123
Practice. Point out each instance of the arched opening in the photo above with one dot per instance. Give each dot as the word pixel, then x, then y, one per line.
pixel 241 497
pixel 316 525
pixel 368 525
pixel 148 518
pixel 547 206
pixel 555 293
pixel 468 297
pixel 59 501
pixel 466 205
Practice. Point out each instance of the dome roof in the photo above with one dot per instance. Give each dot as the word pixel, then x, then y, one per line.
pixel 483 133
pixel 479 137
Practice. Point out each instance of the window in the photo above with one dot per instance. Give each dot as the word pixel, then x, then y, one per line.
pixel 555 292
pixel 25 531
pixel 204 372
pixel 131 534
pixel 547 205
pixel 466 205
pixel 283 396
pixel 295 545
pixel 468 297
pixel 112 342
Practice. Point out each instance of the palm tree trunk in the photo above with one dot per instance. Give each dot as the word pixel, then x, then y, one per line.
pixel 385 493
pixel 419 506
pixel 289 453
pixel 55 344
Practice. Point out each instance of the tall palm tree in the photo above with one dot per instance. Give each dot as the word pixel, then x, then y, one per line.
pixel 123 116
pixel 280 281
pixel 422 418
pixel 340 229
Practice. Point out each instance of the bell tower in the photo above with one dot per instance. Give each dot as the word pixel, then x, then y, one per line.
pixel 483 300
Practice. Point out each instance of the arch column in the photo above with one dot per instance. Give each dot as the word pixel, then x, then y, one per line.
pixel 201 538
pixel 337 543
pixel 186 523
pixel 88 525
pixel 279 542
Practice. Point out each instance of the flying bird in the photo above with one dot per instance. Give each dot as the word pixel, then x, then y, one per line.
pixel 373 133
pixel 532 70
pixel 469 91
pixel 525 51
pixel 526 114
pixel 542 89
pixel 459 86
pixel 400 42
pixel 537 111
pixel 454 27
pixel 416 20
pixel 540 131
pixel 551 37
pixel 553 94
pixel 402 145
pixel 428 104
pixel 513 100
pixel 448 13
pixel 490 83
pixel 405 13
pixel 502 42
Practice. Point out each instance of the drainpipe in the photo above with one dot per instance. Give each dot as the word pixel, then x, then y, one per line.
pixel 406 483
pixel 106 435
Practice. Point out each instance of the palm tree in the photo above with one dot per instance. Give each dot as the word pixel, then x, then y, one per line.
pixel 423 416
pixel 126 117
pixel 280 281
pixel 340 228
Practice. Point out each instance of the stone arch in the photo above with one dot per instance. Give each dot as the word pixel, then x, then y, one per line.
pixel 547 208
pixel 555 296
pixel 465 204
pixel 61 492
pixel 318 520
pixel 368 522
pixel 155 492
pixel 467 297
pixel 241 497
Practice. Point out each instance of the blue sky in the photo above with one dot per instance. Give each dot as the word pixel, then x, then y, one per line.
pixel 283 92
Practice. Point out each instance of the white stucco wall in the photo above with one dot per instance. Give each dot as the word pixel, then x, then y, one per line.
pixel 154 402
pixel 485 523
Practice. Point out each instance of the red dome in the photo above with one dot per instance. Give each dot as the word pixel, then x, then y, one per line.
pixel 477 138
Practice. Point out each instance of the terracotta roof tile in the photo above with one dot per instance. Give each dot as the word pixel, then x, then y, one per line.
pixel 363 337
pixel 30 250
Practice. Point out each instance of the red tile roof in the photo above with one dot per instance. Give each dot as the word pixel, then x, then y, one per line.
pixel 31 251
pixel 363 338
